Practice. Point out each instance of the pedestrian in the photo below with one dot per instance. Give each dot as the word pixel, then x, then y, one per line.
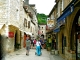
pixel 31 43
pixel 34 41
pixel 28 44
pixel 2 50
pixel 38 48
pixel 40 41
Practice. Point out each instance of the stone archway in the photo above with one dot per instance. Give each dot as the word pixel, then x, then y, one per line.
pixel 15 40
pixel 42 35
pixel 74 33
pixel 70 21
pixel 77 38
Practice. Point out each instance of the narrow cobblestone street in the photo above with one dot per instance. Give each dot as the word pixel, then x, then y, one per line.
pixel 21 55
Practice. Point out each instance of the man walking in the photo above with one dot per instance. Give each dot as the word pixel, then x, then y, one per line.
pixel 28 43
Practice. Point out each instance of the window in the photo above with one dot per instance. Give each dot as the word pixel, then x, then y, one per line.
pixel 62 3
pixel 28 24
pixel 79 21
pixel 61 7
pixel 58 9
pixel 25 22
pixel 52 16
pixel 31 29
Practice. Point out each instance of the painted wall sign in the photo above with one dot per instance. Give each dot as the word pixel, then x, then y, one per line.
pixel 10 34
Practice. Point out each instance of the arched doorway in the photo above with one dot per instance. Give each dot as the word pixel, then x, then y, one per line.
pixel 15 41
pixel 75 36
pixel 42 35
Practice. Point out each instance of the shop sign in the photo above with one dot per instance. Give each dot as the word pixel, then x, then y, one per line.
pixel 11 34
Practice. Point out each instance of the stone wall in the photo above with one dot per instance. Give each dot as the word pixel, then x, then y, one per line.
pixel 11 13
pixel 3 11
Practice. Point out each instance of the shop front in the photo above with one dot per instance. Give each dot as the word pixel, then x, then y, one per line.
pixel 72 49
pixel 75 35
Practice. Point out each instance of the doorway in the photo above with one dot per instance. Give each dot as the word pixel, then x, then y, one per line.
pixel 63 43
pixel 75 36
pixel 15 41
pixel 78 39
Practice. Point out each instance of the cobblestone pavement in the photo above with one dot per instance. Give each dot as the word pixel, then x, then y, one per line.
pixel 56 57
pixel 21 55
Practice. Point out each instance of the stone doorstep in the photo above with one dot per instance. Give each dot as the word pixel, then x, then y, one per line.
pixel 70 55
pixel 67 58
pixel 54 52
pixel 58 57
pixel 72 59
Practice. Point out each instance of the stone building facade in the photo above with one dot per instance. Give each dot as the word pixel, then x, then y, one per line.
pixel 12 29
pixel 9 22
pixel 31 13
pixel 67 28
pixel 42 30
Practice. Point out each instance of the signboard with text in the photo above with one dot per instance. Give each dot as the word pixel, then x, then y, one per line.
pixel 11 34
pixel 50 23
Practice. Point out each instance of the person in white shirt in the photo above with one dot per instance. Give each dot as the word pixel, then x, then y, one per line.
pixel 38 48
pixel 38 43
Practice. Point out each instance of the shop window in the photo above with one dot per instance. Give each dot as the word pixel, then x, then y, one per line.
pixel 79 21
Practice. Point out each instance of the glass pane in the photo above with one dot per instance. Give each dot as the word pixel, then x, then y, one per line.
pixel 79 21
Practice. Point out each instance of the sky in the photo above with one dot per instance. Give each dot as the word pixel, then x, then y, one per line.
pixel 43 6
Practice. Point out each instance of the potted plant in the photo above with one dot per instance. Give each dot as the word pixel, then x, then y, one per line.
pixel 48 46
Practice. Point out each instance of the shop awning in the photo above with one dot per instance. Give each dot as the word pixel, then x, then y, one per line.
pixel 29 33
pixel 66 13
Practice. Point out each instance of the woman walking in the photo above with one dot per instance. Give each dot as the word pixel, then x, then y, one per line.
pixel 38 48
